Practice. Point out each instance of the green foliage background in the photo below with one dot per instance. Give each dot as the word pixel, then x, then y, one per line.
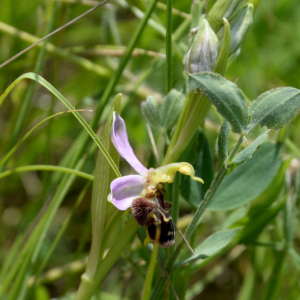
pixel 270 58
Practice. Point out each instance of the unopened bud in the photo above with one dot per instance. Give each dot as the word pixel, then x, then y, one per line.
pixel 203 53
pixel 232 9
pixel 241 27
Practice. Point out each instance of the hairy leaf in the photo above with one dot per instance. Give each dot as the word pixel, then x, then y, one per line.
pixel 225 95
pixel 275 108
pixel 251 149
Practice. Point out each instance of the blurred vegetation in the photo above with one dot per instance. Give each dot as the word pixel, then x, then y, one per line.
pixel 270 57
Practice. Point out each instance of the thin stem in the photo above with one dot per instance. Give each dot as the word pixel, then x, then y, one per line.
pixel 151 267
pixel 52 33
pixel 46 168
pixel 169 45
pixel 167 277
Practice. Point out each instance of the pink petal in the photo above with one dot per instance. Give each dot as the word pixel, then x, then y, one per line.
pixel 120 140
pixel 125 189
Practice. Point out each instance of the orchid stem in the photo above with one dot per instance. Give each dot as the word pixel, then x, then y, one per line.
pixel 197 217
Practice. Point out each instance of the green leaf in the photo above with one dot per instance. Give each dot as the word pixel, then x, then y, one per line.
pixel 222 142
pixel 212 244
pixel 198 154
pixel 151 111
pixel 247 181
pixel 269 195
pixel 234 217
pixel 274 108
pixel 251 149
pixel 224 95
pixel 171 108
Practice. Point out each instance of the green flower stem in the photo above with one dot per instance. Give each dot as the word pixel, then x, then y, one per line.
pixel 46 168
pixel 169 46
pixel 198 216
pixel 193 114
pixel 151 267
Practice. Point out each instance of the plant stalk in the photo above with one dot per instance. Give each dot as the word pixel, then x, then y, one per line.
pixel 197 217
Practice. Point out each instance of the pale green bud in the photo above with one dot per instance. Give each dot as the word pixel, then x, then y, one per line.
pixel 203 53
pixel 232 9
pixel 241 27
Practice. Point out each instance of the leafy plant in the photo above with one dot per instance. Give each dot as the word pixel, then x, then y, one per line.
pixel 236 93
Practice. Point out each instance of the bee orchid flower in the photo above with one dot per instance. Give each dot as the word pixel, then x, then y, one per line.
pixel 144 185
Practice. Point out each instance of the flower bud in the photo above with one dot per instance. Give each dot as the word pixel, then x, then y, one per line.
pixel 203 53
pixel 232 9
pixel 241 27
